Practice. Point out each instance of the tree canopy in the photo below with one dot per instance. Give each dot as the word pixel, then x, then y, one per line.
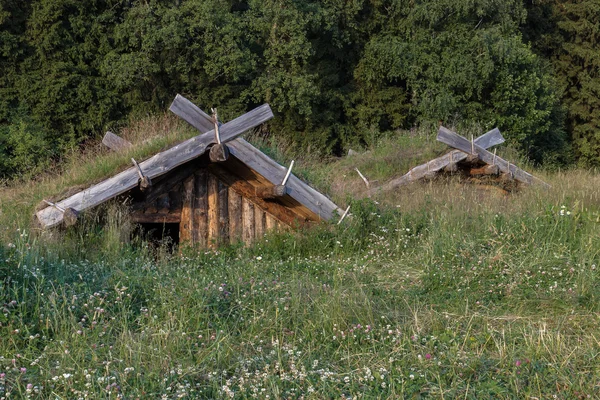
pixel 336 72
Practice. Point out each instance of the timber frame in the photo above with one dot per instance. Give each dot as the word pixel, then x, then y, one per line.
pixel 216 186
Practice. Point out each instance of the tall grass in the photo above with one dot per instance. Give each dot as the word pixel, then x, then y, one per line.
pixel 438 290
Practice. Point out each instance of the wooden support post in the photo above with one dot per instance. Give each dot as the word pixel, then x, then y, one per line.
pixel 259 223
pixel 186 224
pixel 201 208
pixel 144 182
pixel 213 210
pixel 235 216
pixel 248 221
pixel 223 204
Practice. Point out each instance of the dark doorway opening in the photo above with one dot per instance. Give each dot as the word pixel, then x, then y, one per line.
pixel 159 235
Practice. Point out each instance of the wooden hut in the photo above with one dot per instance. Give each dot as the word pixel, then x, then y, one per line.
pixel 469 158
pixel 212 189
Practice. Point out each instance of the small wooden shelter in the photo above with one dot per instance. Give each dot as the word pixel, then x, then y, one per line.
pixel 470 158
pixel 212 189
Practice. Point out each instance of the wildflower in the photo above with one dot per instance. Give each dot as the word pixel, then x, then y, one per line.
pixel 411 376
pixel 518 363
pixel 23 370
pixel 428 356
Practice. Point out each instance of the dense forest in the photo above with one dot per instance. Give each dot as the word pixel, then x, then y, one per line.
pixel 336 72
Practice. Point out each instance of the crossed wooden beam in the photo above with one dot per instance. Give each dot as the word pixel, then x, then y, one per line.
pixel 153 167
pixel 464 150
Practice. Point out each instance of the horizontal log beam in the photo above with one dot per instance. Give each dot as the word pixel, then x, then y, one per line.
pixel 156 218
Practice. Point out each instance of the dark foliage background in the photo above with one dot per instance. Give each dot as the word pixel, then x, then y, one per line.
pixel 336 72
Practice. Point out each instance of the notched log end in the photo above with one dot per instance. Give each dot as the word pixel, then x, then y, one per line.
pixel 145 184
pixel 271 192
pixel 70 217
pixel 219 153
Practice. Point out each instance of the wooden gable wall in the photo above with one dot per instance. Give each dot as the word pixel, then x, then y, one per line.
pixel 212 207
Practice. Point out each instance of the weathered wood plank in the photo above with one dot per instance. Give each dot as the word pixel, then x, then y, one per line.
pixel 213 210
pixel 259 223
pixel 270 222
pixel 153 167
pixel 185 227
pixel 247 221
pixel 160 218
pixel 490 138
pixel 201 208
pixel 235 215
pixel 115 143
pixel 193 115
pixel 223 204
pixel 455 140
pixel 318 203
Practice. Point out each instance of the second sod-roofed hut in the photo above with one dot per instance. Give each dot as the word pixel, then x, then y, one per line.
pixel 207 193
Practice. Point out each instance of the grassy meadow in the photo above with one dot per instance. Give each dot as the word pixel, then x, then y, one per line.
pixel 439 290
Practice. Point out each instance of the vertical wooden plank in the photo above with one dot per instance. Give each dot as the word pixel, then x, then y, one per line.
pixel 270 223
pixel 223 203
pixel 200 234
pixel 259 223
pixel 247 221
pixel 185 227
pixel 235 215
pixel 213 210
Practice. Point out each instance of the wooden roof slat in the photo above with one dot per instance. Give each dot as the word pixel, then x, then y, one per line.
pixel 153 167
pixel 453 139
pixel 316 202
